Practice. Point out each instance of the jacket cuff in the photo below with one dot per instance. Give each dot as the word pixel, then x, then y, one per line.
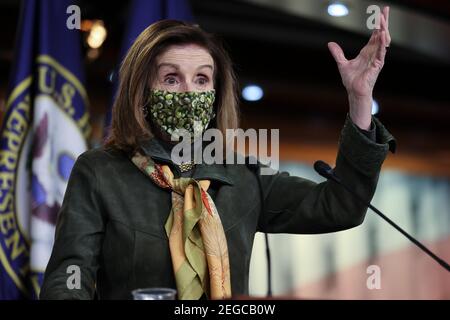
pixel 371 133
pixel 365 154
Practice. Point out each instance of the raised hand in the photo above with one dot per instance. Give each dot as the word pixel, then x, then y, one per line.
pixel 360 74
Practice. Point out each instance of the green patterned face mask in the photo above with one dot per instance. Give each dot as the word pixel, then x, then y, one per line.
pixel 190 110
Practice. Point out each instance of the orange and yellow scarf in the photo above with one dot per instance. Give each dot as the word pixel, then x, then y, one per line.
pixel 197 242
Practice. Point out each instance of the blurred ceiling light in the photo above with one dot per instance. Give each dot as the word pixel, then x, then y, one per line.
pixel 375 107
pixel 337 9
pixel 97 34
pixel 86 25
pixel 252 92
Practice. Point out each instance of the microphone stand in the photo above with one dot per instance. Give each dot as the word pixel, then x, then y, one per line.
pixel 269 268
pixel 325 171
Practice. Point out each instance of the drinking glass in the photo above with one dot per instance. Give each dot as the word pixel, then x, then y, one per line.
pixel 154 294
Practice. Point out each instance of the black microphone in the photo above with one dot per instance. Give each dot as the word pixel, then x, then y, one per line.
pixel 325 171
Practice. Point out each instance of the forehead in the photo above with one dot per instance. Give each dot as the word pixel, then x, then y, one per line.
pixel 186 53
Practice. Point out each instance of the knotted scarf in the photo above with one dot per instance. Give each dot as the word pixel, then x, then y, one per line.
pixel 197 242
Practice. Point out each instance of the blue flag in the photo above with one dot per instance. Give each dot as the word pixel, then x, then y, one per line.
pixel 142 14
pixel 44 129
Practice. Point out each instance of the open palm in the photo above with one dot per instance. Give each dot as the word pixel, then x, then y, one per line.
pixel 360 74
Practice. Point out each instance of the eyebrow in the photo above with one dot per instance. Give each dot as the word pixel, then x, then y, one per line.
pixel 165 64
pixel 176 66
pixel 205 66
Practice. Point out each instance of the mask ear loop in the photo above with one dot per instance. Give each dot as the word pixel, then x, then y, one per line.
pixel 144 108
pixel 215 108
pixel 213 117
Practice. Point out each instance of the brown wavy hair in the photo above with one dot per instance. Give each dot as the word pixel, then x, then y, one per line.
pixel 138 69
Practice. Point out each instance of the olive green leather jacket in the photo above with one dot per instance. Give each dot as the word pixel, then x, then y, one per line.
pixel 111 224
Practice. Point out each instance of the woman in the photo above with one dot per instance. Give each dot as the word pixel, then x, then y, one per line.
pixel 132 218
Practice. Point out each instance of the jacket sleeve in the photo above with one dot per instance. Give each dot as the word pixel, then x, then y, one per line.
pixel 296 205
pixel 78 237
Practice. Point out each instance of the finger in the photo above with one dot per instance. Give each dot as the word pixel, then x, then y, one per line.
pixel 373 37
pixel 337 53
pixel 383 23
pixel 371 46
pixel 383 26
pixel 386 20
pixel 381 50
pixel 386 15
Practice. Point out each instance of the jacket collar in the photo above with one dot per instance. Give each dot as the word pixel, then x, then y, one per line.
pixel 160 151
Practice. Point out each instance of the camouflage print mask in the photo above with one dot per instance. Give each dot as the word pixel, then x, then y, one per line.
pixel 181 110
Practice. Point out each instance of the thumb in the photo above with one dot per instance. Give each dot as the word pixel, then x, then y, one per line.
pixel 337 53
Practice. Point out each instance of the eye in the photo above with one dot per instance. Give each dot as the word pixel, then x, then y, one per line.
pixel 202 80
pixel 170 80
